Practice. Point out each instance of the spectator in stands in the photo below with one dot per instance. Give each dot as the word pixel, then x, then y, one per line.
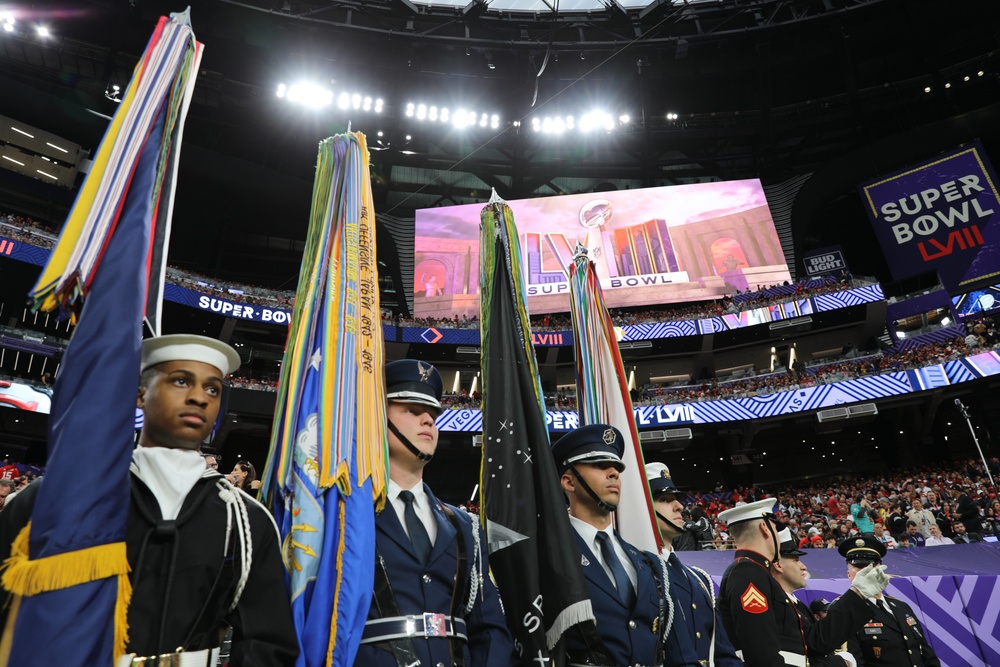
pixel 9 470
pixel 963 537
pixel 244 477
pixel 884 537
pixel 936 539
pixel 861 514
pixel 966 509
pixel 923 518
pixel 7 487
pixel 211 461
pixel 896 522
pixel 913 536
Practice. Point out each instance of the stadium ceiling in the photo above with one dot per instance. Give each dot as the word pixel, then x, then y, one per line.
pixel 713 90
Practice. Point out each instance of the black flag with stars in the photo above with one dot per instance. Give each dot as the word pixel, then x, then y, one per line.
pixel 532 552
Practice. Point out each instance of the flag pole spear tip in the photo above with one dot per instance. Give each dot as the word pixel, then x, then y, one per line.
pixel 183 17
pixel 495 198
pixel 579 251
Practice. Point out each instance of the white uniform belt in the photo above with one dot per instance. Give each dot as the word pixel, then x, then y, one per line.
pixel 794 659
pixel 205 658
pixel 419 626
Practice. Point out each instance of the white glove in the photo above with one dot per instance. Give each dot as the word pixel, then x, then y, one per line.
pixel 870 581
pixel 848 659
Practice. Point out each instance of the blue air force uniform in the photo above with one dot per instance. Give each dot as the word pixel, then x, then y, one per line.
pixel 628 606
pixel 694 618
pixel 422 588
pixel 433 603
pixel 630 633
pixel 691 619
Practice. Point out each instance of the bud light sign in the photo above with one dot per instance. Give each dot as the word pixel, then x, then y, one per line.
pixel 941 215
pixel 825 261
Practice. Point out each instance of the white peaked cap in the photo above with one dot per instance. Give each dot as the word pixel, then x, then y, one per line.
pixel 748 512
pixel 189 347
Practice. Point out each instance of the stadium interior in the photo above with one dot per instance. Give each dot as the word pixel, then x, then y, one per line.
pixel 812 97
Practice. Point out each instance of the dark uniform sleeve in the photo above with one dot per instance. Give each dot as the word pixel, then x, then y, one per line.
pixel 928 654
pixel 263 632
pixel 753 619
pixel 845 618
pixel 725 654
pixel 854 648
pixel 490 644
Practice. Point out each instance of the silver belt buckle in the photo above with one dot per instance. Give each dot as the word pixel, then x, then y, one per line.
pixel 435 625
pixel 165 660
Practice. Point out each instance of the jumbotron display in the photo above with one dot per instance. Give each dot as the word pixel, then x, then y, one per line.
pixel 651 246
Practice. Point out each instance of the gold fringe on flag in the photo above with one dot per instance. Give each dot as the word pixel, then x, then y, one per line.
pixel 23 576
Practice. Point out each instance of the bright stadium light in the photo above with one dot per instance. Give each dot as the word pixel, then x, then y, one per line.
pixel 307 94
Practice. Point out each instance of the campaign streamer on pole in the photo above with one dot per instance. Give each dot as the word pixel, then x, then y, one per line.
pixel 326 470
pixel 68 570
pixel 528 532
pixel 603 398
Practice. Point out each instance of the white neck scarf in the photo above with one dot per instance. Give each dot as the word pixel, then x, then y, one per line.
pixel 170 474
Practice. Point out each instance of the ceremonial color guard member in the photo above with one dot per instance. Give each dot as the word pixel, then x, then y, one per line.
pixel 693 632
pixel 892 636
pixel 790 573
pixel 203 556
pixel 433 599
pixel 757 613
pixel 623 581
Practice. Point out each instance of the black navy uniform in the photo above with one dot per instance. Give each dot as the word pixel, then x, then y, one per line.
pixel 175 565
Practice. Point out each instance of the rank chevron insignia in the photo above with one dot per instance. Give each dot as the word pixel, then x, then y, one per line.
pixel 753 601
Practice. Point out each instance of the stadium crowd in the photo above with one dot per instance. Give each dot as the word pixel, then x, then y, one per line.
pixel 905 509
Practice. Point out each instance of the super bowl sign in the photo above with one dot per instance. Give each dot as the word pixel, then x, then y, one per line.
pixel 941 215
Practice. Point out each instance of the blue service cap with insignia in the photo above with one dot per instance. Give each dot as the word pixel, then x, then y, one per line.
pixel 413 381
pixel 660 481
pixel 862 550
pixel 595 443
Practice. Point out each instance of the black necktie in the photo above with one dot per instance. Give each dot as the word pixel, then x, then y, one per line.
pixel 622 582
pixel 418 534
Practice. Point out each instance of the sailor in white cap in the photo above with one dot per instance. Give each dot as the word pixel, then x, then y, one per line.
pixel 757 613
pixel 203 557
pixel 692 631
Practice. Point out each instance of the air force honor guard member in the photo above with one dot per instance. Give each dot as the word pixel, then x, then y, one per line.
pixel 893 635
pixel 693 632
pixel 758 616
pixel 433 602
pixel 623 582
pixel 791 575
pixel 203 557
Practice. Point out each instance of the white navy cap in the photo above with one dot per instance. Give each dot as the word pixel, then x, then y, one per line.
pixel 761 509
pixel 189 347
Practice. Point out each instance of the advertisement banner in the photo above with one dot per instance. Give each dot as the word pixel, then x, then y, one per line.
pixel 941 215
pixel 825 261
pixel 226 307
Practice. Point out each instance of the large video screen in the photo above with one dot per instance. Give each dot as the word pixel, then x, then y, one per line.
pixel 651 246
pixel 977 302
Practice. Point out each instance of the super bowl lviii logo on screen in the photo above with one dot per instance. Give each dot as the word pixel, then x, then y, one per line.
pixel 649 246
pixel 943 215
